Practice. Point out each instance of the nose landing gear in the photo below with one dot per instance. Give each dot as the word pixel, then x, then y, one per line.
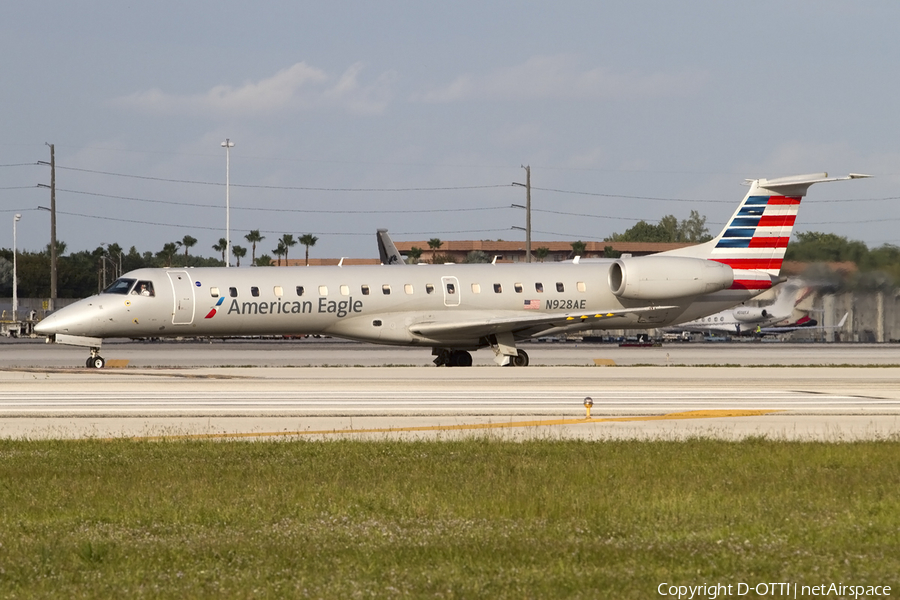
pixel 95 361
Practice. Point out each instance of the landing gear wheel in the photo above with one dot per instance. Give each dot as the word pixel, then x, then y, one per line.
pixel 519 360
pixel 443 358
pixel 95 362
pixel 460 358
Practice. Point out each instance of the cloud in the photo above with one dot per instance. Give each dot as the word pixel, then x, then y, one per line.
pixel 560 77
pixel 299 87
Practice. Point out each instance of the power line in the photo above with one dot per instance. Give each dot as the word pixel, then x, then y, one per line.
pixel 287 187
pixel 207 227
pixel 632 197
pixel 286 210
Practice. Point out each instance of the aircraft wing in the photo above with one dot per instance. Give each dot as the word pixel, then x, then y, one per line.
pixel 520 323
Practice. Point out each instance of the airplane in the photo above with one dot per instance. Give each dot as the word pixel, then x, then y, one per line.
pixel 452 308
pixel 752 319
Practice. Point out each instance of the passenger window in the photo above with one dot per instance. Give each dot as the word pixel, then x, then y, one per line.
pixel 518 287
pixel 386 289
pixel 214 292
pixel 539 287
pixel 408 288
pixel 451 289
pixel 364 289
pixel 476 288
pixel 581 287
pixel 560 287
pixel 279 291
pixel 429 288
pixel 299 290
pixel 254 291
pixel 497 288
pixel 232 291
pixel 323 290
pixel 345 290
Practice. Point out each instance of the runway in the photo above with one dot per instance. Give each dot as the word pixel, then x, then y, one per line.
pixel 425 402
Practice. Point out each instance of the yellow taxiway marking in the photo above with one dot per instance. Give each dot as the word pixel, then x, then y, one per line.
pixel 692 414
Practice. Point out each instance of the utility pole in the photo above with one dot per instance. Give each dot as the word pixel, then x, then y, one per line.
pixel 53 258
pixel 527 187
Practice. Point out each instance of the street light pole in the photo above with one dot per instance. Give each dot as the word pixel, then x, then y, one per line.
pixel 15 304
pixel 228 145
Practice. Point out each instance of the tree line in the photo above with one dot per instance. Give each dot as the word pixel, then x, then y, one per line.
pixel 81 274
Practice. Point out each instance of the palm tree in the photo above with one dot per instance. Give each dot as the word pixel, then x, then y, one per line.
pixel 187 242
pixel 167 253
pixel 60 248
pixel 280 251
pixel 264 260
pixel 253 238
pixel 435 244
pixel 542 253
pixel 578 248
pixel 239 253
pixel 221 247
pixel 308 240
pixel 414 254
pixel 288 241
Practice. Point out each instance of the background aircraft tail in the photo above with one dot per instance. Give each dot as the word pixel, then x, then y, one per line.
pixel 754 239
pixel 387 251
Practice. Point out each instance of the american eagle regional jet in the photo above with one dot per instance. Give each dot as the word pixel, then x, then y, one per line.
pixel 452 308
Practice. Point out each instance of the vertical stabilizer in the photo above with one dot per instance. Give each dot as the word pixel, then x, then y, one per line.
pixel 387 251
pixel 755 238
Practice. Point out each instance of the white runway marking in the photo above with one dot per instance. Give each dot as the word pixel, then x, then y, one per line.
pixel 406 401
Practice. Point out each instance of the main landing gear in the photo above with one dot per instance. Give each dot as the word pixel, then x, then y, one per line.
pixel 519 360
pixel 452 358
pixel 461 358
pixel 95 361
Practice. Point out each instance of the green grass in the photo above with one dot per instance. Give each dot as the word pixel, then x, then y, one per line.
pixel 479 518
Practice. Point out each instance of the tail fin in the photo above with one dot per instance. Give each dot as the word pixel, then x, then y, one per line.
pixel 754 240
pixel 387 251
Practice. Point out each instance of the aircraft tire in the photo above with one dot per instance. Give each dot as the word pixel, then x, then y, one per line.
pixel 95 362
pixel 460 358
pixel 520 360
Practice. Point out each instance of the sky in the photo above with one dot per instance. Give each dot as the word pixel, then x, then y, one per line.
pixel 419 116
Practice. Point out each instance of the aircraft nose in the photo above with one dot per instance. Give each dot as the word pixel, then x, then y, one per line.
pixel 48 325
pixel 74 319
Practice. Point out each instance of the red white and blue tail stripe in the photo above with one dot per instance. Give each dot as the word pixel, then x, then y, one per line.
pixel 755 239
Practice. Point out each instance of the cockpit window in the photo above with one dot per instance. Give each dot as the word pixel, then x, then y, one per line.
pixel 119 286
pixel 143 288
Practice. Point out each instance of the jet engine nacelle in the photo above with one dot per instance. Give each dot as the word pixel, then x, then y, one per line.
pixel 665 277
pixel 750 315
